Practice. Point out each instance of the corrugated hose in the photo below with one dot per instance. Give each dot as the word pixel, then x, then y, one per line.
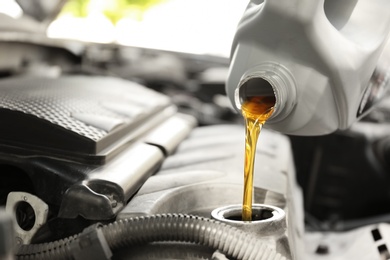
pixel 123 233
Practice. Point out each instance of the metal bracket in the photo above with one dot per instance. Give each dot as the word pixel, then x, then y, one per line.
pixel 30 213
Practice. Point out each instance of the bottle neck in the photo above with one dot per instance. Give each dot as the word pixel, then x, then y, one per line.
pixel 268 79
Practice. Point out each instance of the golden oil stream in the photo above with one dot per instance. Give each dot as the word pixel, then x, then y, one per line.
pixel 256 111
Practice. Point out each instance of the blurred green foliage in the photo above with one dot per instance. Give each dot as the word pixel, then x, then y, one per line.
pixel 78 8
pixel 114 10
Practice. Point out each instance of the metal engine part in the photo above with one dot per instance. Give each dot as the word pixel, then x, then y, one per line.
pixel 30 213
pixel 206 173
pixel 82 145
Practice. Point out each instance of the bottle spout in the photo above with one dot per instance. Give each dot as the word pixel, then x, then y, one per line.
pixel 268 80
pixel 252 87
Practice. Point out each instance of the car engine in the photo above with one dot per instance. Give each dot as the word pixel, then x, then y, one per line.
pixel 107 154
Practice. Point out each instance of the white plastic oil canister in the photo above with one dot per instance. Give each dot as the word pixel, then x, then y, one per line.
pixel 326 62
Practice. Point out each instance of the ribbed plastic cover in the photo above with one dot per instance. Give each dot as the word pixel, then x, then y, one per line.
pixel 77 114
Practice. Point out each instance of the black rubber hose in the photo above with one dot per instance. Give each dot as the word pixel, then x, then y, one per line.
pixel 167 227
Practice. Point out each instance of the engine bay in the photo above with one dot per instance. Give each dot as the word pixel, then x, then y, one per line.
pixel 124 153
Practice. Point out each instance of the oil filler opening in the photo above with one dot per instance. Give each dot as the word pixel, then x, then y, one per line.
pixel 257 215
pixel 260 213
pixel 267 220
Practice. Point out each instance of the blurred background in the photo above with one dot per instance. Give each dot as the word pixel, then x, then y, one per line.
pixel 159 24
